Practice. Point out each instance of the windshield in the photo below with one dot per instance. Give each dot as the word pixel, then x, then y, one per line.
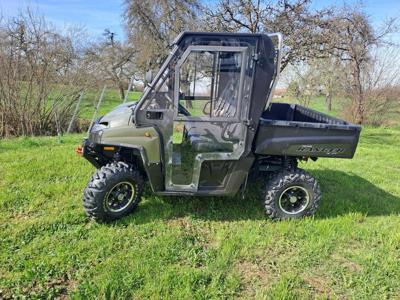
pixel 159 74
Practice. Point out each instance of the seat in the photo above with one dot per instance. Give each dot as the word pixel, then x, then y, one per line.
pixel 201 143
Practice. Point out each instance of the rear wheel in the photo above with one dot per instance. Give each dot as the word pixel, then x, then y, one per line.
pixel 113 192
pixel 291 194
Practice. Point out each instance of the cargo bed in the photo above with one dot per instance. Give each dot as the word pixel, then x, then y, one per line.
pixel 293 130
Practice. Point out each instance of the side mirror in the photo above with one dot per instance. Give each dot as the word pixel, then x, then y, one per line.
pixel 148 77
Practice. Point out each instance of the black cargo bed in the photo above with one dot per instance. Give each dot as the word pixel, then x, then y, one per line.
pixel 293 130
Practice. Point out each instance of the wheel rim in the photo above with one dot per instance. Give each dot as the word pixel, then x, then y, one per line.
pixel 294 200
pixel 120 196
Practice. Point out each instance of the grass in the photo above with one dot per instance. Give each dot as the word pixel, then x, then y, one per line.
pixel 199 247
pixel 317 103
pixel 339 107
pixel 202 248
pixel 111 100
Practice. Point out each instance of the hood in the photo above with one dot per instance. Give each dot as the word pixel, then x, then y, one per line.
pixel 119 116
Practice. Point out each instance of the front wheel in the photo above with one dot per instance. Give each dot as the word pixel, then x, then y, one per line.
pixel 291 194
pixel 113 192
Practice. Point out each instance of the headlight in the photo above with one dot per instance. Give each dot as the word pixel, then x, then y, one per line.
pixel 98 127
pixel 96 132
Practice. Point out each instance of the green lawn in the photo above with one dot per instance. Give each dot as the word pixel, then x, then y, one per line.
pixel 181 247
pixel 111 100
pixel 317 103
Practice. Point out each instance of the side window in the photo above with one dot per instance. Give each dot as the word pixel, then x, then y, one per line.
pixel 209 83
pixel 195 83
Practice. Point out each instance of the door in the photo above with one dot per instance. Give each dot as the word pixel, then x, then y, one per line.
pixel 208 124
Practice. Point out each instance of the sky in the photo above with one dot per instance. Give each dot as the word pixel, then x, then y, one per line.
pixel 97 15
pixel 94 15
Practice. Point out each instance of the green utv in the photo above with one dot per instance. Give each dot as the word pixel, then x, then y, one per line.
pixel 205 124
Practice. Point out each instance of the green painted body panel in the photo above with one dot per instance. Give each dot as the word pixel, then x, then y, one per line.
pixel 120 130
pixel 131 136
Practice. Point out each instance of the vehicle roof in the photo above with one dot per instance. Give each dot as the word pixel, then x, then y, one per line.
pixel 222 34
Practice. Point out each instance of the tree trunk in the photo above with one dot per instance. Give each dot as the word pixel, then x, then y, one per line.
pixel 189 104
pixel 186 87
pixel 360 111
pixel 328 101
pixel 121 90
pixel 358 91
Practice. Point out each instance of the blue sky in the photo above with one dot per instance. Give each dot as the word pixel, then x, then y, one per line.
pixel 96 15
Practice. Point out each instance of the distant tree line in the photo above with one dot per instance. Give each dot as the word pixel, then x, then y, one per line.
pixel 41 75
pixel 44 70
pixel 337 45
pixel 333 51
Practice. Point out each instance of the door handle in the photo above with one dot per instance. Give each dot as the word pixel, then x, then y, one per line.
pixel 154 115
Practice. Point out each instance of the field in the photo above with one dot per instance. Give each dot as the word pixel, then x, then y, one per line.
pixel 203 248
pixel 111 99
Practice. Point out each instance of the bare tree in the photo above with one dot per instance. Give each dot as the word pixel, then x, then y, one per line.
pixel 332 78
pixel 380 88
pixel 309 35
pixel 111 60
pixel 353 39
pixel 152 25
pixel 304 83
pixel 305 30
pixel 40 76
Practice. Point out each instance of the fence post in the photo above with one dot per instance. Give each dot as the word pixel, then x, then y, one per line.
pixel 129 89
pixel 58 127
pixel 75 112
pixel 97 107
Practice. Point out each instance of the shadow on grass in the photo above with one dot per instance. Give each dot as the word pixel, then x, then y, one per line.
pixel 346 192
pixel 342 193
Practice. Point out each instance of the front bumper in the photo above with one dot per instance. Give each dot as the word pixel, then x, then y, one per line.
pixel 91 152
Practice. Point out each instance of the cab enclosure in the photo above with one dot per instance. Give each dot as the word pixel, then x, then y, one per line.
pixel 211 106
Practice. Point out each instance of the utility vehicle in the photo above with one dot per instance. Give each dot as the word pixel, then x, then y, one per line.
pixel 205 124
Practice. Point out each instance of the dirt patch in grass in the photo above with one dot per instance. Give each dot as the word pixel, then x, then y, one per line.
pixel 352 266
pixel 61 287
pixel 201 233
pixel 348 264
pixel 318 284
pixel 55 288
pixel 253 277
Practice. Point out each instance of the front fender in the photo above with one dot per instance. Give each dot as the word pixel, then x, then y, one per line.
pixel 136 138
pixel 101 154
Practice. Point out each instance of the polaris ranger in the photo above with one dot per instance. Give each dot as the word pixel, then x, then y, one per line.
pixel 204 124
